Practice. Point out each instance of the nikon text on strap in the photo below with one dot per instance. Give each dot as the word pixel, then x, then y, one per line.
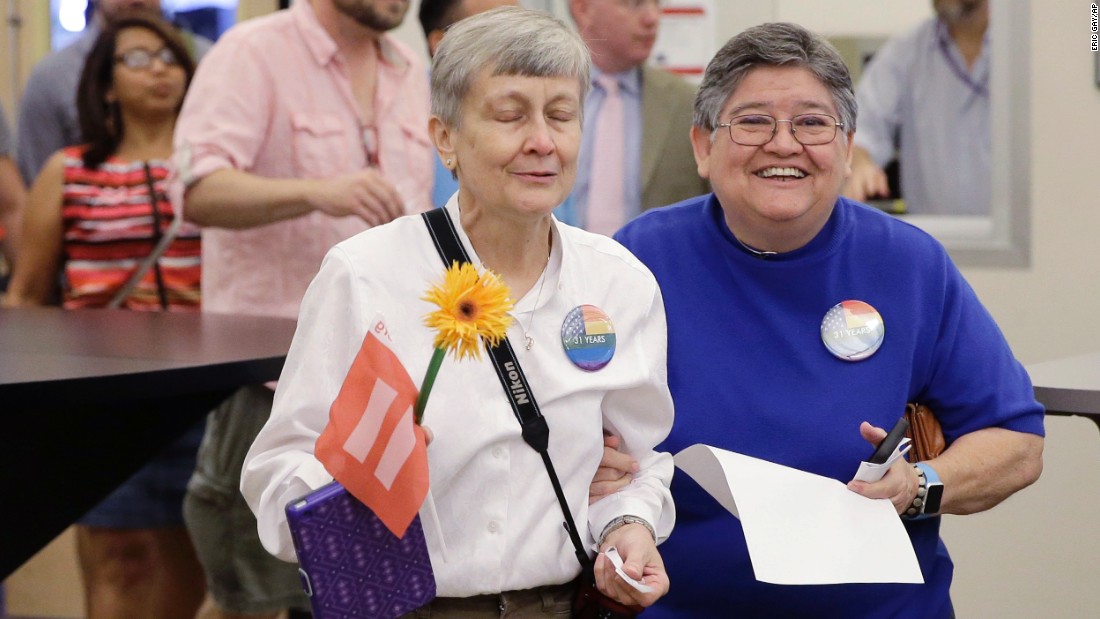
pixel 533 425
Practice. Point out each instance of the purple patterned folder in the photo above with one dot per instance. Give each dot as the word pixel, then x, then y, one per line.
pixel 352 567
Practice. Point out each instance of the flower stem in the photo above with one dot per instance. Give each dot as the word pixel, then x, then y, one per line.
pixel 429 381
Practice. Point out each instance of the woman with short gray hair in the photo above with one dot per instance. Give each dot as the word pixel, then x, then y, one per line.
pixel 773 45
pixel 588 330
pixel 504 42
pixel 802 323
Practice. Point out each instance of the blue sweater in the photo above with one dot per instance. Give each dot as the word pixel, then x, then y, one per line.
pixel 749 373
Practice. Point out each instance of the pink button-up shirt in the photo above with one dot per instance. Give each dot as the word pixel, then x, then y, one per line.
pixel 273 98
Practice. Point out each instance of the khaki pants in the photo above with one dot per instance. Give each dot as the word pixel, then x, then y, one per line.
pixel 550 601
pixel 240 575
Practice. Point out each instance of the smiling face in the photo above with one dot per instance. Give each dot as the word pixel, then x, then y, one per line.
pixel 515 150
pixel 156 89
pixel 777 196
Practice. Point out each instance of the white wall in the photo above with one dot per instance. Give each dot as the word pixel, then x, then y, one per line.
pixel 410 32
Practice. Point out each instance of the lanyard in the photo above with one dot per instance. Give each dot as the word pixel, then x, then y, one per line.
pixel 979 88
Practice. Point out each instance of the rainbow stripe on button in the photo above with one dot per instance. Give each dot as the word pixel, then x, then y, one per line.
pixel 588 337
pixel 852 330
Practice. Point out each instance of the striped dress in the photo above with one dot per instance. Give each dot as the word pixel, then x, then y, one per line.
pixel 109 226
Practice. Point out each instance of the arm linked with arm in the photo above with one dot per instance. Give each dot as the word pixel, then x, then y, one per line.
pixel 642 417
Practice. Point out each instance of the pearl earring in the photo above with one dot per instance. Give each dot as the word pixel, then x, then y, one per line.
pixel 450 162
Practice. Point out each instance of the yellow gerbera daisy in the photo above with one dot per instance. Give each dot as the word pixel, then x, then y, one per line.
pixel 471 305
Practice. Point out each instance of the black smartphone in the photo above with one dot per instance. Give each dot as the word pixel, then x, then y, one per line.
pixel 890 443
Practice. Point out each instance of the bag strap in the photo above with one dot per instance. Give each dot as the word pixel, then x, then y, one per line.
pixel 161 242
pixel 524 406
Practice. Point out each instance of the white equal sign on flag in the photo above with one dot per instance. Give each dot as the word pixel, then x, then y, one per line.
pixel 371 444
pixel 401 443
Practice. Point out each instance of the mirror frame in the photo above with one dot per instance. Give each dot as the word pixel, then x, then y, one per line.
pixel 1004 238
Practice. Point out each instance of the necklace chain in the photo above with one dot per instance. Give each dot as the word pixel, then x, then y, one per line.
pixel 759 253
pixel 528 341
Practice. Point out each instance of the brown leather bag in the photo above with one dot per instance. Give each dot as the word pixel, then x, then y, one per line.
pixel 925 432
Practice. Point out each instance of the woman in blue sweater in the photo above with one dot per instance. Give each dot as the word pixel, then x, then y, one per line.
pixel 801 323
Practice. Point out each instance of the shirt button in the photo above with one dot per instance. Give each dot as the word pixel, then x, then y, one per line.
pixel 498 452
pixel 494 526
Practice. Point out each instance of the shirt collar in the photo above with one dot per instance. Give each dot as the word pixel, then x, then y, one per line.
pixel 823 242
pixel 630 81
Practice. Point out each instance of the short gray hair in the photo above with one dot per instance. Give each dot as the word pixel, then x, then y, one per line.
pixel 510 41
pixel 773 45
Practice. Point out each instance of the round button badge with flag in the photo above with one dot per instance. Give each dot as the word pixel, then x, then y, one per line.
pixel 588 337
pixel 852 330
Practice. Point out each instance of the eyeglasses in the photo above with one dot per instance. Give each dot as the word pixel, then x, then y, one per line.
pixel 141 58
pixel 759 129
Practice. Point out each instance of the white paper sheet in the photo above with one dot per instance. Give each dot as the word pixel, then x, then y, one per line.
pixel 801 528
pixel 616 560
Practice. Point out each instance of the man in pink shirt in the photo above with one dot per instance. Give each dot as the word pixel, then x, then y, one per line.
pixel 300 129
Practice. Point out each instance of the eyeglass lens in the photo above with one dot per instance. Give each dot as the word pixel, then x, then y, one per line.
pixel 758 129
pixel 141 58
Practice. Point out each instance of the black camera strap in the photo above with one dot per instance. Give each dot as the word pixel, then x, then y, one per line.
pixel 534 429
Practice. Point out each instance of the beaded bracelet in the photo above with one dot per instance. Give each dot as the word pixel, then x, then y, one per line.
pixel 914 509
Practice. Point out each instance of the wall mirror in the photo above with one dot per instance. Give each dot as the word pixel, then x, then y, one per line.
pixel 1001 239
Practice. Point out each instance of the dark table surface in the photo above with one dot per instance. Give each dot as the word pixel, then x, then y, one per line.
pixel 1069 386
pixel 88 396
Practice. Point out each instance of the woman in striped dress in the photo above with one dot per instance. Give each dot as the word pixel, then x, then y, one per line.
pixel 96 213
